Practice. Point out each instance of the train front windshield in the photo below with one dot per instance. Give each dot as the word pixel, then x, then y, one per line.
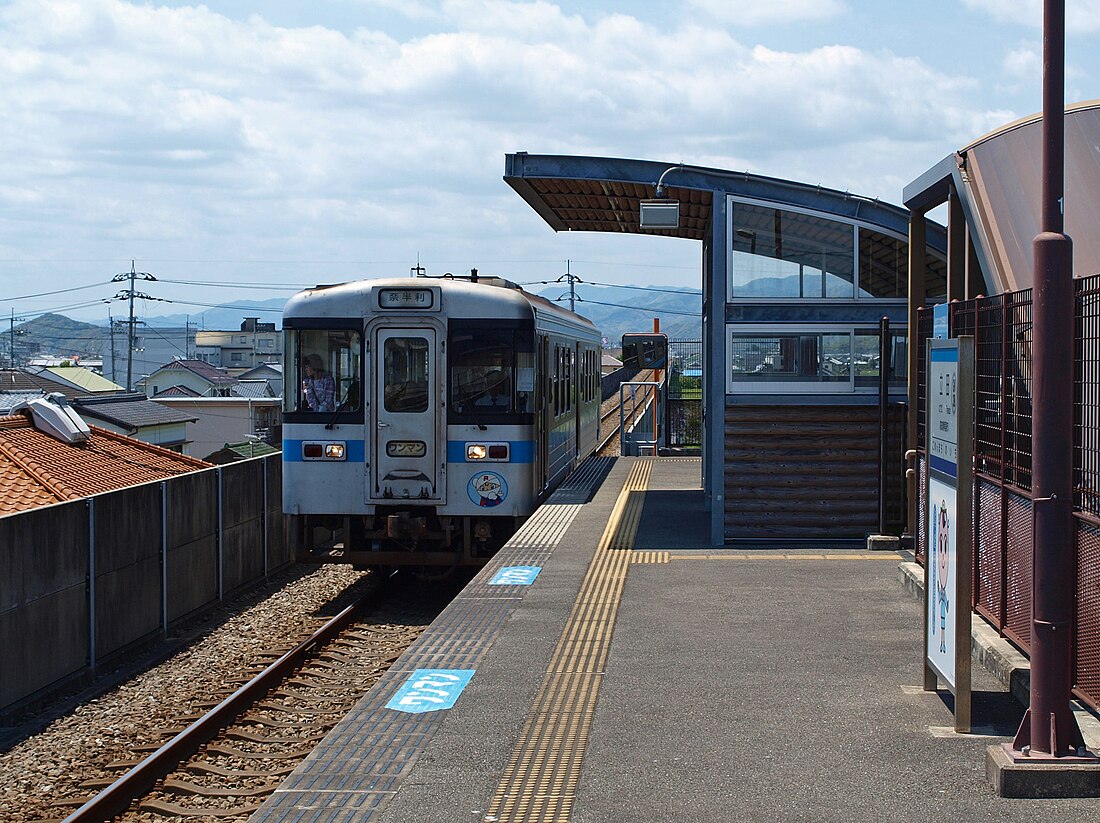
pixel 492 372
pixel 323 370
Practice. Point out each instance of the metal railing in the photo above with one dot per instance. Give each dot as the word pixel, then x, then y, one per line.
pixel 641 417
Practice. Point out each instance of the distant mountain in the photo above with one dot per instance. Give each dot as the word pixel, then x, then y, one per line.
pixel 57 334
pixel 617 310
pixel 225 317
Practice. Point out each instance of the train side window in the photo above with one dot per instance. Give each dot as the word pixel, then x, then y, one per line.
pixel 491 371
pixel 569 379
pixel 557 380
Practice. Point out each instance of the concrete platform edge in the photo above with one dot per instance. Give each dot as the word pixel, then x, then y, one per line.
pixel 1005 662
pixel 1041 780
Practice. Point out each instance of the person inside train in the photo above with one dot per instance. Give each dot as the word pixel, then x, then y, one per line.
pixel 318 387
pixel 498 395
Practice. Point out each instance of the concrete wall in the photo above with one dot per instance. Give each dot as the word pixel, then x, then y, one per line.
pixel 192 542
pixel 43 598
pixel 138 559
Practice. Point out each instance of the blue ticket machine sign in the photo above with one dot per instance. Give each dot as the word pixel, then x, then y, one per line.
pixel 948 558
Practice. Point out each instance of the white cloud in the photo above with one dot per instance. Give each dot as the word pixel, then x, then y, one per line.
pixel 1024 63
pixel 770 12
pixel 1082 16
pixel 178 132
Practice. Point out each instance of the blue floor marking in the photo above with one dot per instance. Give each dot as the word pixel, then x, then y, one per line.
pixel 430 690
pixel 515 576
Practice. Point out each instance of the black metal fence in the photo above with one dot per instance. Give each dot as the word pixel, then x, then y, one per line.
pixel 1003 541
pixel 684 411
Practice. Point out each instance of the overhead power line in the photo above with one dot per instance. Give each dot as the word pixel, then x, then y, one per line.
pixel 647 309
pixel 59 291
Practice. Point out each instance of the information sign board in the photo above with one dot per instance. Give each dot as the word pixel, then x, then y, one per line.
pixel 948 563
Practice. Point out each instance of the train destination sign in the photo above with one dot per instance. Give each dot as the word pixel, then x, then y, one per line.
pixel 430 690
pixel 947 520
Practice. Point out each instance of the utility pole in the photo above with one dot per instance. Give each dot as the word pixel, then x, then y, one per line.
pixel 572 288
pixel 130 294
pixel 11 351
pixel 417 270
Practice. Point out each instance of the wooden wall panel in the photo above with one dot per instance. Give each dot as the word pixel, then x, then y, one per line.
pixel 807 472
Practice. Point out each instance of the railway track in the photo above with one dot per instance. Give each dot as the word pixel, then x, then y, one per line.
pixel 610 432
pixel 222 764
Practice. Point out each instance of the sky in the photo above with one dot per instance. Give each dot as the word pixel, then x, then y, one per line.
pixel 241 150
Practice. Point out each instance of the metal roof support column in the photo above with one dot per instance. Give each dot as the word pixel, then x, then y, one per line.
pixel 975 283
pixel 715 277
pixel 956 247
pixel 917 291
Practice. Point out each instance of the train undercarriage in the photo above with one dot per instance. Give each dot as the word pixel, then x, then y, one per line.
pixel 396 537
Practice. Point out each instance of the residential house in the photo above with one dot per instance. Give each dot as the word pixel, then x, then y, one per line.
pixel 253 344
pixel 236 452
pixel 81 379
pixel 271 372
pixel 22 380
pixel 199 377
pixel 38 468
pixel 134 415
pixel 224 420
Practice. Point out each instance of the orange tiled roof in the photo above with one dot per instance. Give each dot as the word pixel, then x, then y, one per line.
pixel 37 469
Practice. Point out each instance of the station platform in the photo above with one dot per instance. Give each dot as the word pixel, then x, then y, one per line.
pixel 608 666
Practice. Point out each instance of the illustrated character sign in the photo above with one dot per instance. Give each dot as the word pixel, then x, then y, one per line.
pixel 487 489
pixel 941 539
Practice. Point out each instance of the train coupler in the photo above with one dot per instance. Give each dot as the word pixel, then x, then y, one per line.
pixel 403 526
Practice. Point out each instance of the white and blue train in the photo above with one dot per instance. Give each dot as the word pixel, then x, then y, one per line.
pixel 427 418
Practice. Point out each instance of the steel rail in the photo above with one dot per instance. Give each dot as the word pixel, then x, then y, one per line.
pixel 606 441
pixel 117 797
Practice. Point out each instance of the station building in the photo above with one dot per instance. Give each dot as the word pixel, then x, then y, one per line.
pixel 796 281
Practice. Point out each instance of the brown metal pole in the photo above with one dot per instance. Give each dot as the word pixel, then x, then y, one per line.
pixel 884 349
pixel 1052 728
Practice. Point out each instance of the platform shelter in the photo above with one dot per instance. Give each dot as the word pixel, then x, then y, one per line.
pixel 796 279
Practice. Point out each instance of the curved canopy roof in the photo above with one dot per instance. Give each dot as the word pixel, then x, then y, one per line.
pixel 998 178
pixel 574 193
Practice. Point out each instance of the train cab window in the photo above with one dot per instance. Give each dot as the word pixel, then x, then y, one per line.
pixel 492 372
pixel 325 367
pixel 405 368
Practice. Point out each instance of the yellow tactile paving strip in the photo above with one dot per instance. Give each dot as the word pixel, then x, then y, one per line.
pixel 539 784
pixel 774 556
pixel 540 781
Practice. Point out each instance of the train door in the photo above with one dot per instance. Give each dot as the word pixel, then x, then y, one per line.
pixel 407 416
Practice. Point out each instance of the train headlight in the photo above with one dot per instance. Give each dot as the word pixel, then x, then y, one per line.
pixel 335 451
pixel 491 452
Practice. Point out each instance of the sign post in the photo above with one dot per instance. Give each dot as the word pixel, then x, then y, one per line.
pixel 948 518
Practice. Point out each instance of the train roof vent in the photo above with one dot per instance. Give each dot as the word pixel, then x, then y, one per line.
pixel 493 280
pixel 52 415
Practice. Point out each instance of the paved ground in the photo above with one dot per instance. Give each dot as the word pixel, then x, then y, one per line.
pixel 756 686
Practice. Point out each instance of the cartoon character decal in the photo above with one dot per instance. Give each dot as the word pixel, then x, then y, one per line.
pixel 487 489
pixel 941 540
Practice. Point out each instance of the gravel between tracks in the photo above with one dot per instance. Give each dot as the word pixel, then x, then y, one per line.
pixel 52 763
